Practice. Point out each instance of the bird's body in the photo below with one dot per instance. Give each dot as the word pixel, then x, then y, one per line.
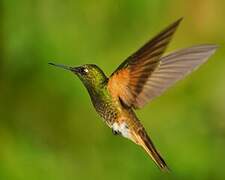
pixel 141 77
pixel 121 118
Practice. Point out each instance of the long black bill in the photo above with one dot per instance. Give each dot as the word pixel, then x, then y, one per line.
pixel 62 66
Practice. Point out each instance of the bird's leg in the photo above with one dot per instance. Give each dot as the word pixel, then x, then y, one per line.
pixel 115 132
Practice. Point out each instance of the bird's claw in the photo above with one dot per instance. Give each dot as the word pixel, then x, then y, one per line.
pixel 115 132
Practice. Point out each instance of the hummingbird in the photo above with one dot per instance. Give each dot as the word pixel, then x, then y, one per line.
pixel 139 79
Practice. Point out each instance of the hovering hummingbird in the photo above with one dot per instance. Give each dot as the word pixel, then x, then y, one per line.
pixel 143 76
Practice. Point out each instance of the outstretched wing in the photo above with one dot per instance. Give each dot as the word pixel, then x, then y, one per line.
pixel 129 80
pixel 172 68
pixel 146 75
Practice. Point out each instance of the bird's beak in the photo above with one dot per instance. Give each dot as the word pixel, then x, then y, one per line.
pixel 73 69
pixel 62 66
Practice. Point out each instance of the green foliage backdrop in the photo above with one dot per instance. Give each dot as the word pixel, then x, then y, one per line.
pixel 48 128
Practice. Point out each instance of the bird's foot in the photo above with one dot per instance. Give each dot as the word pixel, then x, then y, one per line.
pixel 115 132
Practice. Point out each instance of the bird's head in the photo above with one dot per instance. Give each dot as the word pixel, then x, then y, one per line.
pixel 91 75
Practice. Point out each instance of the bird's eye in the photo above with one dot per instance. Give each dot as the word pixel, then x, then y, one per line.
pixel 84 70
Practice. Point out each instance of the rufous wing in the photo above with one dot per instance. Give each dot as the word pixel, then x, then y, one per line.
pixel 146 74
pixel 130 78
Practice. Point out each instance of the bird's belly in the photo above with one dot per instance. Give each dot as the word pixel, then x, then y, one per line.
pixel 108 112
pixel 120 119
pixel 122 129
pixel 127 124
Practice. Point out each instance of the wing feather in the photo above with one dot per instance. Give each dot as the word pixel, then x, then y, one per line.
pixel 172 68
pixel 146 74
pixel 128 80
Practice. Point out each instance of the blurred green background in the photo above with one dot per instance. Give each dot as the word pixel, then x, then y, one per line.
pixel 48 127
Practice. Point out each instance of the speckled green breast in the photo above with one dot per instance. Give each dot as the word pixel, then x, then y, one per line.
pixel 105 107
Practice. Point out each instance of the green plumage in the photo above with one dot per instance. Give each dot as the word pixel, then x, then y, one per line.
pixel 95 82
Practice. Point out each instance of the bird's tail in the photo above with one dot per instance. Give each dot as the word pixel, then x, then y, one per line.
pixel 144 140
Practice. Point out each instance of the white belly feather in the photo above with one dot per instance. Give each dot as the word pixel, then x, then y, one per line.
pixel 122 128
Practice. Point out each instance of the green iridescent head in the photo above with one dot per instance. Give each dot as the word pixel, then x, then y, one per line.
pixel 90 74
